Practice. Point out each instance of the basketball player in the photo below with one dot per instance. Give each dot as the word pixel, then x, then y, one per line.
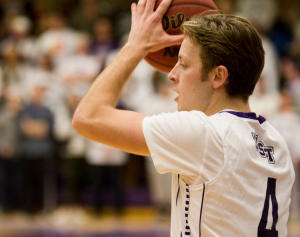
pixel 232 173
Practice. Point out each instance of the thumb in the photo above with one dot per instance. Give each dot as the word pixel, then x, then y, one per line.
pixel 175 39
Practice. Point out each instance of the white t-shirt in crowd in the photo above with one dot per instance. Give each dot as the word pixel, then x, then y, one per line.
pixel 55 90
pixel 59 43
pixel 79 66
pixel 225 168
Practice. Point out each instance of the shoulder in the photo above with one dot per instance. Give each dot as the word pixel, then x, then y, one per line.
pixel 176 118
pixel 185 121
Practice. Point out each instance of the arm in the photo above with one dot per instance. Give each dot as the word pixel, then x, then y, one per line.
pixel 96 117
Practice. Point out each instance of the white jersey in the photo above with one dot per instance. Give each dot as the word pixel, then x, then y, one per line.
pixel 232 173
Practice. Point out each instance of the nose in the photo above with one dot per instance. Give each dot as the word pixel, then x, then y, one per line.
pixel 172 76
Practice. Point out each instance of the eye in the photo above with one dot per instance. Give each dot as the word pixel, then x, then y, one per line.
pixel 182 65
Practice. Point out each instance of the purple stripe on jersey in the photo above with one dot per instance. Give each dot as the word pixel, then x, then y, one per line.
pixel 261 119
pixel 187 202
pixel 251 115
pixel 178 190
pixel 201 209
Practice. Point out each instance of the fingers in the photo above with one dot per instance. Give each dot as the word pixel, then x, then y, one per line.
pixel 150 6
pixel 163 7
pixel 141 8
pixel 175 39
pixel 147 7
pixel 133 11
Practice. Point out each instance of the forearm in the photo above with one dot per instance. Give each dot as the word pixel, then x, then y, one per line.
pixel 106 88
pixel 96 117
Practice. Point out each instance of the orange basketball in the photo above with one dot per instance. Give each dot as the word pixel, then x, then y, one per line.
pixel 179 11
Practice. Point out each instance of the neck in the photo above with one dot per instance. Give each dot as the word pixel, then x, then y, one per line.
pixel 232 103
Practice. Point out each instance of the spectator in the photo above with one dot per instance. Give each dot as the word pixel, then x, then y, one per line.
pixel 72 152
pixel 104 40
pixel 19 34
pixel 36 124
pixel 282 33
pixel 78 71
pixel 290 68
pixel 58 41
pixel 287 122
pixel 44 73
pixel 13 71
pixel 10 151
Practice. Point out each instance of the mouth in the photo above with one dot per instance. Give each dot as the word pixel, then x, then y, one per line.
pixel 177 97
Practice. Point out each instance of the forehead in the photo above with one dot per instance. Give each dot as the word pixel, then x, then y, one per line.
pixel 189 50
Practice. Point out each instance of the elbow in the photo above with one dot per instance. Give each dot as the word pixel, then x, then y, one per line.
pixel 86 123
pixel 78 122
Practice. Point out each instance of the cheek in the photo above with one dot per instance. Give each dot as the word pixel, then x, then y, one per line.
pixel 191 79
pixel 203 89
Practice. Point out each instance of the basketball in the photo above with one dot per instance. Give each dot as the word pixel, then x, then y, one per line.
pixel 178 12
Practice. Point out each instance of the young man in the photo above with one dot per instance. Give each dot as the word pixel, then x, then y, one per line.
pixel 226 161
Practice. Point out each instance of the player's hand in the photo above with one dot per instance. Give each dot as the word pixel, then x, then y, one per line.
pixel 147 32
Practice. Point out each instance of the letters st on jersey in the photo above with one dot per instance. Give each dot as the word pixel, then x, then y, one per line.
pixel 264 151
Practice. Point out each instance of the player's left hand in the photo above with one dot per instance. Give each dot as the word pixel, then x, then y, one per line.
pixel 147 32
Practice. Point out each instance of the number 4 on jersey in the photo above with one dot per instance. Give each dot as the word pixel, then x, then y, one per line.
pixel 262 231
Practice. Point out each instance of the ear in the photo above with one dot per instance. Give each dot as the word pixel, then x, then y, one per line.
pixel 221 75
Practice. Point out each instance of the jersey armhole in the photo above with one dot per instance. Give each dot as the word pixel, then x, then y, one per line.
pixel 219 176
pixel 151 146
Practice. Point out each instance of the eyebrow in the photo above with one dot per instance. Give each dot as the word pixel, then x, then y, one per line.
pixel 180 57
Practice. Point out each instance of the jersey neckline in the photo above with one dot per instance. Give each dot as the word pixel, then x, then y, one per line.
pixel 250 115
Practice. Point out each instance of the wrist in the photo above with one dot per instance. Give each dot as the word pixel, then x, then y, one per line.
pixel 136 50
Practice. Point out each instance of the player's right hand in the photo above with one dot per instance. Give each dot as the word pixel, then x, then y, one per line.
pixel 147 33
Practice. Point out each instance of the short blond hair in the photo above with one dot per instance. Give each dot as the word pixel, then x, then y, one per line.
pixel 230 41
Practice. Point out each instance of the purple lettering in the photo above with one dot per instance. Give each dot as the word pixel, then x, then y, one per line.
pixel 270 151
pixel 261 149
pixel 264 151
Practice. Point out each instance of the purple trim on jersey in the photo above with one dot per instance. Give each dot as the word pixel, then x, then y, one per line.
pixel 178 190
pixel 201 209
pixel 251 115
pixel 187 231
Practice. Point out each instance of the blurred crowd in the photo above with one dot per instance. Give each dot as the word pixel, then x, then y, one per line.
pixel 51 52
